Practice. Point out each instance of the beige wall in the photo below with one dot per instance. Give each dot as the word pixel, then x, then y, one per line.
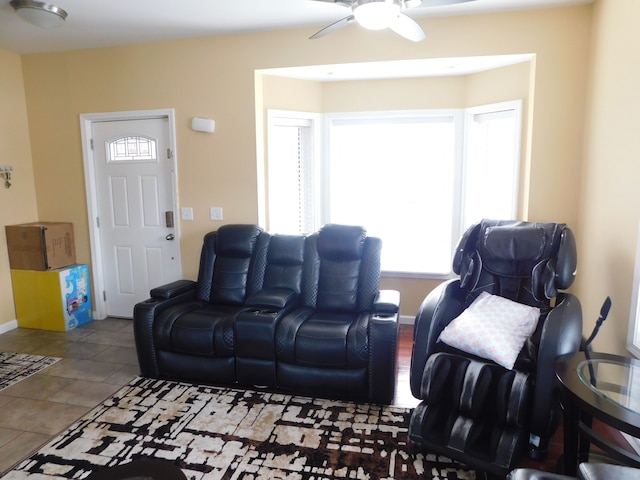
pixel 610 202
pixel 214 77
pixel 18 203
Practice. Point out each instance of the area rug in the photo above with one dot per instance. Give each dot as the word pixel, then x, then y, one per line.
pixel 18 366
pixel 224 433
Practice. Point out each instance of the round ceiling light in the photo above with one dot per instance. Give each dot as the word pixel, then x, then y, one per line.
pixel 39 14
pixel 376 14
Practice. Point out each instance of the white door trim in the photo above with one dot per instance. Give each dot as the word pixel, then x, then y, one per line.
pixel 86 121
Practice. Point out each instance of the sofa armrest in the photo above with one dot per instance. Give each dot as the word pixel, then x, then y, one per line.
pixel 387 302
pixel 145 314
pixel 173 289
pixel 275 298
pixel 383 345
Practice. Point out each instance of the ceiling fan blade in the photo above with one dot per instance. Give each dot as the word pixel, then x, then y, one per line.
pixel 407 27
pixel 343 22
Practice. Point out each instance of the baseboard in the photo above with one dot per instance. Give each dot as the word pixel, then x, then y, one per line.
pixel 406 320
pixel 7 327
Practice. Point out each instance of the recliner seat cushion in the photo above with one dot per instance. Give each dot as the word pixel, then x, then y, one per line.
pixel 324 339
pixel 197 329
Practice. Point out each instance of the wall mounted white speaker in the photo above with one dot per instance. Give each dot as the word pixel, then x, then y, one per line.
pixel 200 124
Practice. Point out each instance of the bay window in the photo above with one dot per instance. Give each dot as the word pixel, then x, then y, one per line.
pixel 416 179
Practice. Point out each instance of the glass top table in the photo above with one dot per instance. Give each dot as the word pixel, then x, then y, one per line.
pixel 598 386
pixel 615 381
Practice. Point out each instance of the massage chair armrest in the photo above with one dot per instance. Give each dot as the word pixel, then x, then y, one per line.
pixel 145 313
pixel 560 337
pixel 387 302
pixel 438 309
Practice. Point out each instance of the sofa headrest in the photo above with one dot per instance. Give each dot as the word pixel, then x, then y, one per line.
pixel 286 249
pixel 341 242
pixel 237 240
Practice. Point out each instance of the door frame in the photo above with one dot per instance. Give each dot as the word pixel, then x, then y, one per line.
pixel 86 123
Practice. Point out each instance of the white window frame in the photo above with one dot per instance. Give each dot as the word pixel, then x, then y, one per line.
pixel 463 119
pixel 633 336
pixel 457 118
pixel 491 109
pixel 292 118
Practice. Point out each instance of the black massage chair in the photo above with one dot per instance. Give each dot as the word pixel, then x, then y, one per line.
pixel 473 409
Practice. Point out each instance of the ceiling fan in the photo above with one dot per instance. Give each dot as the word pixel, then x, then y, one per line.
pixel 380 14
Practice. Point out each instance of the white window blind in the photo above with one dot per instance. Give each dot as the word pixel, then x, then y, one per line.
pixel 290 173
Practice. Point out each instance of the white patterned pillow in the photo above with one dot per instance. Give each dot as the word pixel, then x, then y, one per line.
pixel 492 327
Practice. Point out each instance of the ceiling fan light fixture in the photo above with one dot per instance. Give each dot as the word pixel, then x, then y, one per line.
pixel 376 14
pixel 40 14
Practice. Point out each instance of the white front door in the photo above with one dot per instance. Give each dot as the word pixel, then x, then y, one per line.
pixel 134 183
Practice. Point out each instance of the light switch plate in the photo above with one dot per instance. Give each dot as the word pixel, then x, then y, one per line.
pixel 187 213
pixel 215 213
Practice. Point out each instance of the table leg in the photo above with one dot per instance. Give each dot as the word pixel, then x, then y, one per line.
pixel 571 436
pixel 584 442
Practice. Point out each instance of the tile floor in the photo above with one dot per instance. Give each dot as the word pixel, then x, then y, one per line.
pixel 98 358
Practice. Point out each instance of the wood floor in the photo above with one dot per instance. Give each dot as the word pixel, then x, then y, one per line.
pixel 404 398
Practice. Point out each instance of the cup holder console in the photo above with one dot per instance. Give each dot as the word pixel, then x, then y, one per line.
pixel 383 316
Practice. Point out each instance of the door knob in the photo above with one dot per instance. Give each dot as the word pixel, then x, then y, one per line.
pixel 171 236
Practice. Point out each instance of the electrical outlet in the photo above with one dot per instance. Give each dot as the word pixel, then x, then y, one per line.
pixel 215 213
pixel 187 213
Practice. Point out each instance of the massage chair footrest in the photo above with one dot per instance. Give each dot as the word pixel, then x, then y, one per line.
pixel 489 415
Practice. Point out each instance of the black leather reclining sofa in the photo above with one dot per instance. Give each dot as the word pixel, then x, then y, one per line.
pixel 296 313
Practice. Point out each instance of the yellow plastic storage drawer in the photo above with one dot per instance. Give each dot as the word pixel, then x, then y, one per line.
pixel 52 300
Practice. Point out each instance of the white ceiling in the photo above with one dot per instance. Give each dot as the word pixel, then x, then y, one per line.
pixel 102 23
pixel 423 67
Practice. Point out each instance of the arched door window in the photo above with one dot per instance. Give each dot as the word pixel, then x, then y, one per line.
pixel 132 149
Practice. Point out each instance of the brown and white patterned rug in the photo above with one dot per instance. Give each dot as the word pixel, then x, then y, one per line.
pixel 18 366
pixel 224 433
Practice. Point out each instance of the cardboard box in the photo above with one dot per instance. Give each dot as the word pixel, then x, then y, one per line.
pixel 40 245
pixel 57 299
